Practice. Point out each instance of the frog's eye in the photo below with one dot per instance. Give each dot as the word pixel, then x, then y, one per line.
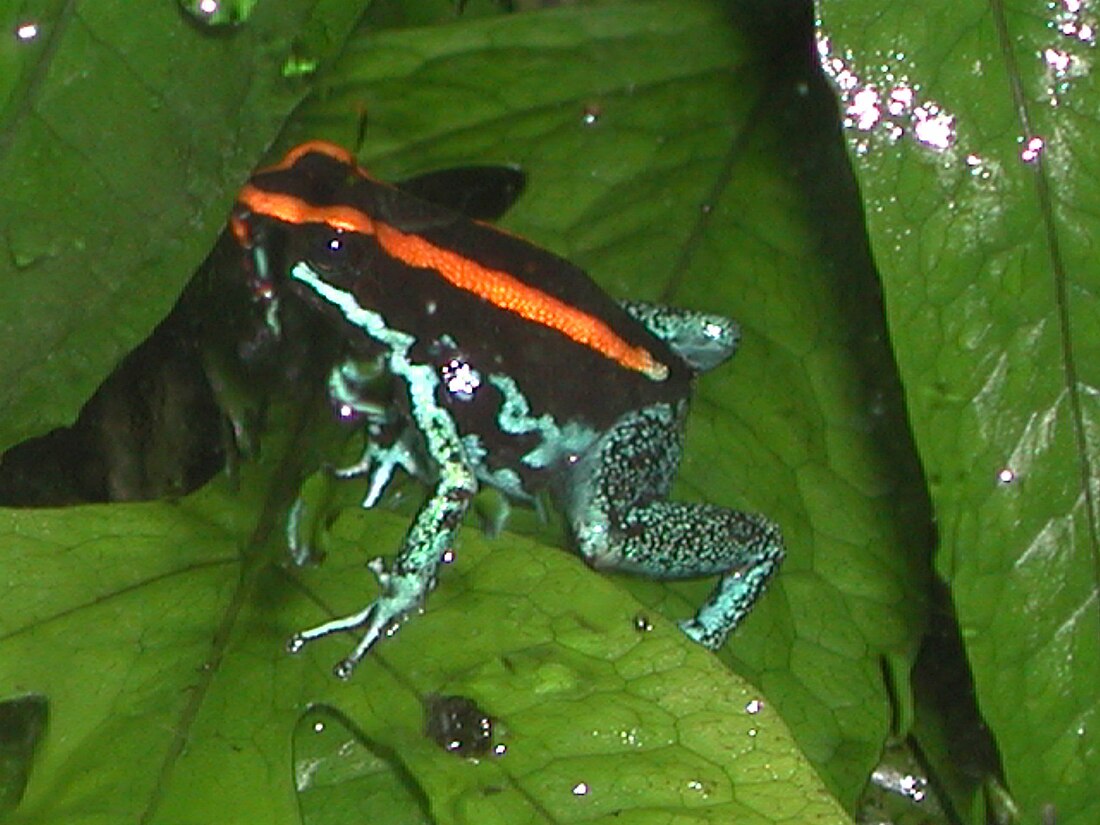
pixel 332 243
pixel 328 248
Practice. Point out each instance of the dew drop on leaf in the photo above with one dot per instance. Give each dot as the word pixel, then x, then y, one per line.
pixel 26 32
pixel 458 725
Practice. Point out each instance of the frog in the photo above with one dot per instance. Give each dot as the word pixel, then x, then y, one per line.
pixel 513 370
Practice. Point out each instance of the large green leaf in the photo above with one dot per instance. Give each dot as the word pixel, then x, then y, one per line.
pixel 156 633
pixel 973 131
pixel 122 135
pixel 679 158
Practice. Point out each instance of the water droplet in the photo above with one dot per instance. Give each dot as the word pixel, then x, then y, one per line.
pixel 458 725
pixel 26 32
pixel 864 108
pixel 907 785
pixel 933 127
pixel 1032 150
pixel 887 105
pixel 1069 21
pixel 642 623
pixel 592 113
pixel 580 789
pixel 1006 475
pixel 1057 60
pixel 461 379
pixel 698 787
pixel 218 13
pixel 755 706
pixel 318 727
pixel 448 556
pixel 900 100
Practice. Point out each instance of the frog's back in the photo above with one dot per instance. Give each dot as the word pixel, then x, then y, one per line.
pixel 534 359
pixel 560 371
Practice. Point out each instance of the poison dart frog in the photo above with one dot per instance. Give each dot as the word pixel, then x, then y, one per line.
pixel 512 369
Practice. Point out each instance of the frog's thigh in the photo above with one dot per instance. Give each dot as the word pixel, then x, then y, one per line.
pixel 702 339
pixel 633 463
pixel 622 521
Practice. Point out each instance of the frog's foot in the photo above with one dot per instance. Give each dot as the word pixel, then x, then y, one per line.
pixel 703 340
pixel 379 462
pixel 756 558
pixel 402 592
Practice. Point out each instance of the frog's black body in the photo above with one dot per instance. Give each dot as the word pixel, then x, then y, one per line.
pixel 498 389
pixel 561 378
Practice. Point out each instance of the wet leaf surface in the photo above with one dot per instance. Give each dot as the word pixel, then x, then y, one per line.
pixel 975 155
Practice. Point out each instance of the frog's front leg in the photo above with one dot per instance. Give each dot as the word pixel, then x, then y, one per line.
pixel 413 573
pixel 615 500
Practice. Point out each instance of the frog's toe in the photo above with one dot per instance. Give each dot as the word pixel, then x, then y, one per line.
pixel 376 627
pixel 377 619
pixel 710 638
pixel 350 622
pixel 402 592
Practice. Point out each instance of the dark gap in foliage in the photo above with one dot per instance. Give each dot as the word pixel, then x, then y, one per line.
pixel 23 721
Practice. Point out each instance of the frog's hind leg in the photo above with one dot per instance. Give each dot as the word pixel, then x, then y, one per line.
pixel 702 339
pixel 615 500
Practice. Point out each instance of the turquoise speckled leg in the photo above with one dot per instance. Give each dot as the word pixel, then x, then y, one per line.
pixel 405 586
pixel 615 500
pixel 413 573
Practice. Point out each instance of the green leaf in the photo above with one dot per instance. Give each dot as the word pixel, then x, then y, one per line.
pixel 679 158
pixel 972 129
pixel 158 643
pixel 122 137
